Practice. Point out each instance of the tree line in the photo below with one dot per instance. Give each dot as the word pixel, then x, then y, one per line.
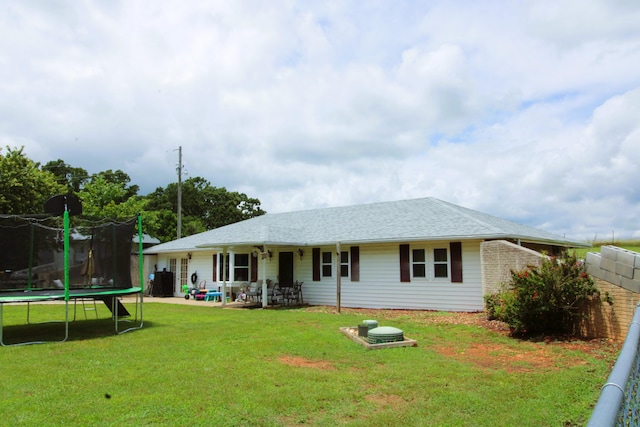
pixel 25 185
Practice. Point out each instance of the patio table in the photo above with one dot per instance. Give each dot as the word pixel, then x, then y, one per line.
pixel 212 295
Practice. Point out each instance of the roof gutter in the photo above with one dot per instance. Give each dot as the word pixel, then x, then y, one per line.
pixel 527 239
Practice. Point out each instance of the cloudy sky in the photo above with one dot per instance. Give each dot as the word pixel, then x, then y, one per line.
pixel 527 110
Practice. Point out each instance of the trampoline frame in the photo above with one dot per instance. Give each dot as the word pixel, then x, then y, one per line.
pixel 66 295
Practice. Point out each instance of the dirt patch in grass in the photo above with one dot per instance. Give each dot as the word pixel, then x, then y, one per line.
pixel 306 363
pixel 385 399
pixel 495 356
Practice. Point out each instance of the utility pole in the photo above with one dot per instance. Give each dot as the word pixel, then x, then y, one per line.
pixel 179 192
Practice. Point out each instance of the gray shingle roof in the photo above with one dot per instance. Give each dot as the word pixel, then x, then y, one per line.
pixel 400 221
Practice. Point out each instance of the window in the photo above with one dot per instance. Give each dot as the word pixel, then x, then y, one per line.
pixel 326 264
pixel 440 263
pixel 349 264
pixel 419 263
pixel 431 263
pixel 241 267
pixel 223 268
pixel 344 264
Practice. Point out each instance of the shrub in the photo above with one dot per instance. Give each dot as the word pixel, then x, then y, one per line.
pixel 545 298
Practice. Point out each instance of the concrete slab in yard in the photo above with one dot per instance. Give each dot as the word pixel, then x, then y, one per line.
pixel 351 332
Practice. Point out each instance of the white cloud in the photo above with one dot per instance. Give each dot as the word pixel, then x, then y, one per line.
pixel 524 110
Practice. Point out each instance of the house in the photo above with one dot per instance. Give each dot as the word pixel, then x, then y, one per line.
pixel 147 241
pixel 409 254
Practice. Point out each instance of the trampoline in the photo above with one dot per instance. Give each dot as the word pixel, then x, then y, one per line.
pixel 43 259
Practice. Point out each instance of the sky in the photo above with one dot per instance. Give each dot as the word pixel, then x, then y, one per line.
pixel 526 110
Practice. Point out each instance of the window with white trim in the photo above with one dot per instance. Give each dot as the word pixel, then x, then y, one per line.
pixel 326 264
pixel 429 263
pixel 418 263
pixel 440 263
pixel 241 267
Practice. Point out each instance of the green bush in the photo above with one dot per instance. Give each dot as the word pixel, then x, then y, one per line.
pixel 545 298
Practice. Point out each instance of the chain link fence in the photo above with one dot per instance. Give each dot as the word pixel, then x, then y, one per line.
pixel 619 402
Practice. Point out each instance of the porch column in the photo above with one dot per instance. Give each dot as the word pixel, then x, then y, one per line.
pixel 265 297
pixel 224 276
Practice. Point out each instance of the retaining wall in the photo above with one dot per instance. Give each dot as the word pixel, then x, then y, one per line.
pixel 616 271
pixel 498 258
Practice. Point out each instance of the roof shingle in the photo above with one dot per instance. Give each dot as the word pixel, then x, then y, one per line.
pixel 405 220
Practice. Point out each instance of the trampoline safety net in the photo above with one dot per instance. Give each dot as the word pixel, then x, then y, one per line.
pixel 32 254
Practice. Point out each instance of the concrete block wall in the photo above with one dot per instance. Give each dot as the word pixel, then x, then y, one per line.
pixel 608 321
pixel 498 258
pixel 616 271
pixel 616 265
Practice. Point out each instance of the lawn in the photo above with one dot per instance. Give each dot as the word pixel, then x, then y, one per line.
pixel 632 245
pixel 200 365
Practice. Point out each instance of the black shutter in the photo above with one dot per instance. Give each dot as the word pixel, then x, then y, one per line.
pixel 405 268
pixel 215 268
pixel 355 263
pixel 254 267
pixel 316 264
pixel 455 248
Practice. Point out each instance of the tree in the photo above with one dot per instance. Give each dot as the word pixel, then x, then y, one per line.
pixel 204 207
pixel 24 187
pixel 73 178
pixel 122 179
pixel 108 195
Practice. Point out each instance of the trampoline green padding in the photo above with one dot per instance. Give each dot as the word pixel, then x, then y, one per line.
pixel 36 295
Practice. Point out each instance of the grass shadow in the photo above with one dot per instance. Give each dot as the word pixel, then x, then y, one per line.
pixel 79 330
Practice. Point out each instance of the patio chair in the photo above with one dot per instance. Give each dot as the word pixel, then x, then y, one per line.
pixel 273 292
pixel 287 293
pixel 293 293
pixel 254 293
pixel 297 288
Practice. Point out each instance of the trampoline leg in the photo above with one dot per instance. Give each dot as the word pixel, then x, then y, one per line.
pixel 1 325
pixel 66 329
pixel 139 300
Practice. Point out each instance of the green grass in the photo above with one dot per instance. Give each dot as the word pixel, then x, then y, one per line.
pixel 632 245
pixel 203 366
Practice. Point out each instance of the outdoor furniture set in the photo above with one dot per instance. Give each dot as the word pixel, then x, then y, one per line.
pixel 277 293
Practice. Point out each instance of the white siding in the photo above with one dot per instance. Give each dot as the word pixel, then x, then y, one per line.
pixel 380 286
